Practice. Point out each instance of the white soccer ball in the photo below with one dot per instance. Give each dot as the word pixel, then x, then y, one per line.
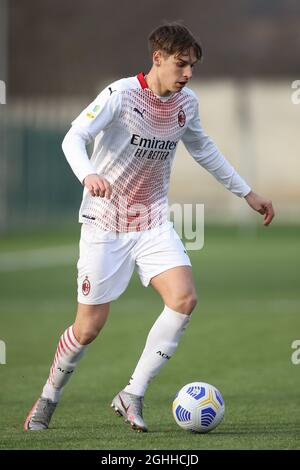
pixel 198 407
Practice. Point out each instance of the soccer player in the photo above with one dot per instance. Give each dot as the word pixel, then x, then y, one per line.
pixel 136 124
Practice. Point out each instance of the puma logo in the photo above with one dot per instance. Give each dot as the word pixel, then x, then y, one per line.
pixel 141 113
pixel 111 91
pixel 122 403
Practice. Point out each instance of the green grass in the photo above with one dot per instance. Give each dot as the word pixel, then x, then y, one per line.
pixel 239 340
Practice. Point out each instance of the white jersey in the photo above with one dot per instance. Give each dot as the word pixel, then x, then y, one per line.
pixel 135 135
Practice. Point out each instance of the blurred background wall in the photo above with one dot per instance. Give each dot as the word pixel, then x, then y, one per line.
pixel 56 55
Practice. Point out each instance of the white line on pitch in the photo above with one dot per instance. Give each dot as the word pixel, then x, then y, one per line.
pixel 39 258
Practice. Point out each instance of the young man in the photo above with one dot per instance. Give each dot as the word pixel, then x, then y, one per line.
pixel 136 124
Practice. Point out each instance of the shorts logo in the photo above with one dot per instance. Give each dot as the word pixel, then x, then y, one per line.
pixel 86 286
pixel 181 118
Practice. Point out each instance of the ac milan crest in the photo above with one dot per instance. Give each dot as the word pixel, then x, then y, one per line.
pixel 181 118
pixel 86 286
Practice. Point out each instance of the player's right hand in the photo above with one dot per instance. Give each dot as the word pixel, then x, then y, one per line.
pixel 97 185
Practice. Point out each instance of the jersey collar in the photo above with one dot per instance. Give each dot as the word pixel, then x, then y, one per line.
pixel 141 79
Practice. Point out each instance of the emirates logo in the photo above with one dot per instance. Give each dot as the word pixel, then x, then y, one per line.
pixel 86 286
pixel 181 118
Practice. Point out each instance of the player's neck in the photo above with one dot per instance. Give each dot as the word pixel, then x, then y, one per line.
pixel 155 84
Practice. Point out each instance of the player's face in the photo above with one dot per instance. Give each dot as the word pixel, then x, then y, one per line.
pixel 176 70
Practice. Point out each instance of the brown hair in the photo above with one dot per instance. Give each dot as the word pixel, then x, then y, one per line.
pixel 173 38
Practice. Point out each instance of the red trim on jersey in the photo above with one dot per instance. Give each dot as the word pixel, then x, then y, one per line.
pixel 141 79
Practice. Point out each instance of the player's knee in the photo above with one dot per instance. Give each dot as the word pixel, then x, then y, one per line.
pixel 190 302
pixel 86 335
pixel 187 303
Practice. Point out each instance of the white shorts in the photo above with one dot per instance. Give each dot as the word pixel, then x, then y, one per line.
pixel 107 260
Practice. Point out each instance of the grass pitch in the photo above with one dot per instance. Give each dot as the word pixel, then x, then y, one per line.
pixel 239 340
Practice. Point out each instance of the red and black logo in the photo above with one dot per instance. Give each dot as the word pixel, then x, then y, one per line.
pixel 86 286
pixel 181 118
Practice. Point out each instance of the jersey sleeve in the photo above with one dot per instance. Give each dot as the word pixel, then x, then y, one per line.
pixel 90 122
pixel 206 153
pixel 100 113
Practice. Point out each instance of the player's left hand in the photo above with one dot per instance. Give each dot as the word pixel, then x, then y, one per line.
pixel 261 205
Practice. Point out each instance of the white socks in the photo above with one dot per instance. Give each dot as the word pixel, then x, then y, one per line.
pixel 68 354
pixel 161 343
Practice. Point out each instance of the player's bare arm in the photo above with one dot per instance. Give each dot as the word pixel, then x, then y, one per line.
pixel 262 205
pixel 97 185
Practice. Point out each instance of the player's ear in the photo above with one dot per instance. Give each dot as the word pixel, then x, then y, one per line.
pixel 157 56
